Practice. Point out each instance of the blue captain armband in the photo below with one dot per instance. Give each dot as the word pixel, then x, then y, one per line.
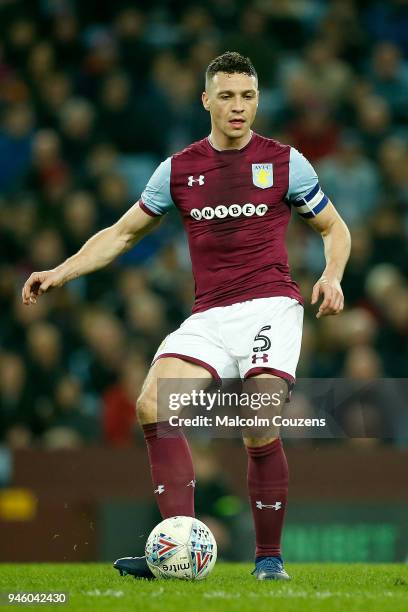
pixel 310 205
pixel 304 192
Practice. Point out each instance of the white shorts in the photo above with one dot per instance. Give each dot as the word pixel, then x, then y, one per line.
pixel 241 340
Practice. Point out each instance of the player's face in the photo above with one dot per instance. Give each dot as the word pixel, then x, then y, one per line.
pixel 232 100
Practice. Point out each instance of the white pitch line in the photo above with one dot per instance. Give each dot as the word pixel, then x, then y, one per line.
pixel 107 593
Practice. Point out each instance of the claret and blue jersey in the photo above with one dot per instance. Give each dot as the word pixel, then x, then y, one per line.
pixel 236 205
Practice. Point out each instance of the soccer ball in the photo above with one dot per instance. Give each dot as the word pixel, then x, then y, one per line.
pixel 181 547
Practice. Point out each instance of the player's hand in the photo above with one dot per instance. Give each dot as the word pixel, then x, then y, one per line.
pixel 333 300
pixel 40 282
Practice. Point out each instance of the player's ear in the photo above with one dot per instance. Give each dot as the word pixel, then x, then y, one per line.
pixel 205 100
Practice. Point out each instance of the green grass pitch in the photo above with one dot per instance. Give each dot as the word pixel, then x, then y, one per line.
pixel 314 588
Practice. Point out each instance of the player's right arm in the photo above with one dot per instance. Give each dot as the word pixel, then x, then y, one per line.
pixel 314 206
pixel 109 243
pixel 96 253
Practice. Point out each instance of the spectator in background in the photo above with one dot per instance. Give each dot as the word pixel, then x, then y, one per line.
pixel 359 329
pixel 135 51
pixel 315 132
pixel 100 59
pixel 99 359
pixel 46 248
pixel 185 111
pixel 372 409
pixel 113 197
pixel 329 77
pixel 118 117
pixel 77 117
pixel 388 235
pixel 363 363
pixel 252 40
pixel 145 317
pixel 343 31
pixel 15 396
pixel 155 108
pixel 46 367
pixel 290 17
pixel 101 160
pixel 21 36
pixel 18 222
pixel 389 77
pixel 388 21
pixel 56 89
pixel 373 123
pixel 40 63
pixel 15 145
pixel 351 181
pixel 393 159
pixel 195 24
pixel 67 41
pixel 359 263
pixel 394 334
pixel 297 94
pixel 71 425
pixel 79 220
pixel 381 283
pixel 119 414
pixel 48 168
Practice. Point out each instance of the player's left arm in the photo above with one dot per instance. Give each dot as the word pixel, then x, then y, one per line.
pixel 309 201
pixel 337 242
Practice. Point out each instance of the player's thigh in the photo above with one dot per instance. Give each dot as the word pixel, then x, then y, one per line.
pixel 277 389
pixel 186 376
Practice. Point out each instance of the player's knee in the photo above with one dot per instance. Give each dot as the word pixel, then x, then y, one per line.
pixel 146 410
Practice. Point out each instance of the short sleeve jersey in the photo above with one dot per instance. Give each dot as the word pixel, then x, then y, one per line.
pixel 235 205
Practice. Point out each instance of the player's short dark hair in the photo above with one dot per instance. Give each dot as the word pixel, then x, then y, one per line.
pixel 230 62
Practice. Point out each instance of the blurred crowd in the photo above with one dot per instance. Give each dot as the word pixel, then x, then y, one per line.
pixel 93 95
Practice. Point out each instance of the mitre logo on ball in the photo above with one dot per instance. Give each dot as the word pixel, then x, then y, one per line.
pixel 181 547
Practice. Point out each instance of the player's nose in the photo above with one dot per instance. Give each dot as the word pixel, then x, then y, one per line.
pixel 237 105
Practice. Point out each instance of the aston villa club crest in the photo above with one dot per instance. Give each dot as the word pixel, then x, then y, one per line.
pixel 262 175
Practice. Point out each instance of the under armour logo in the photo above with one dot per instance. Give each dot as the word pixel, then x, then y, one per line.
pixel 192 180
pixel 276 506
pixel 192 483
pixel 160 489
pixel 264 357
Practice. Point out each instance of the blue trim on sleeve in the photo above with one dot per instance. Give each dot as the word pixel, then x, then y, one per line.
pixel 308 198
pixel 156 195
pixel 312 194
pixel 302 177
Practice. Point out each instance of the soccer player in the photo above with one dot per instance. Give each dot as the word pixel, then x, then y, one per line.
pixel 234 190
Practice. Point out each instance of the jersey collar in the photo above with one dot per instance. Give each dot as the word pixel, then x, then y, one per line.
pixel 229 151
